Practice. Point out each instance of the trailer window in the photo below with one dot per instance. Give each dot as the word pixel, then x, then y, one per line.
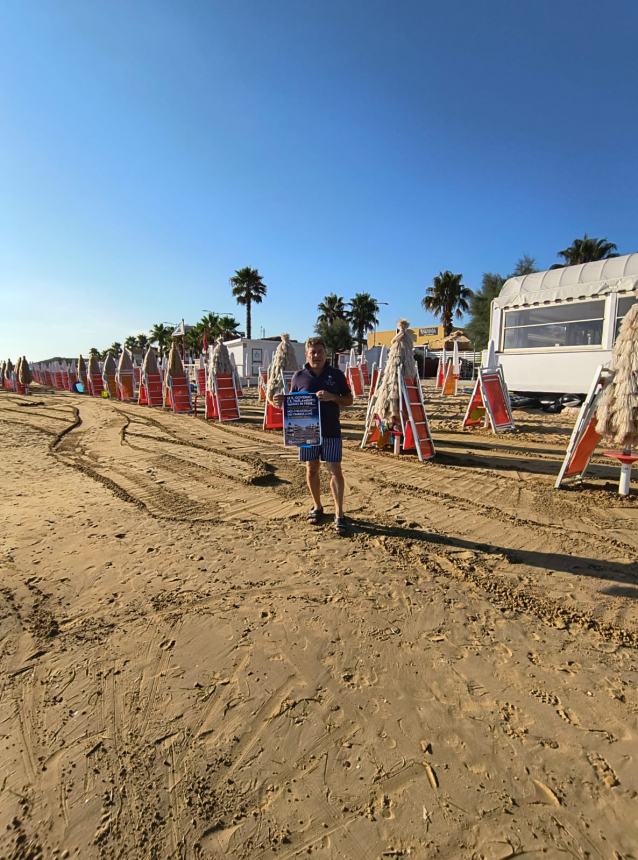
pixel 624 305
pixel 555 326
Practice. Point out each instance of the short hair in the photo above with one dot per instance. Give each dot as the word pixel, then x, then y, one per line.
pixel 315 341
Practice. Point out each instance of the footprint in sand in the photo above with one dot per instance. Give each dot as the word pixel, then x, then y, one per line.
pixel 552 699
pixel 603 770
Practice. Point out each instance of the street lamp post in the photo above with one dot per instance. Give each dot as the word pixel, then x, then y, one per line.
pixel 374 330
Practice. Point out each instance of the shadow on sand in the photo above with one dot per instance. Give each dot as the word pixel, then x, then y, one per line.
pixel 559 562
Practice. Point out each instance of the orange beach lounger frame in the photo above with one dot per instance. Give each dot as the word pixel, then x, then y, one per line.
pixel 150 393
pixel 222 403
pixel 490 402
pixel 415 427
pixel 584 438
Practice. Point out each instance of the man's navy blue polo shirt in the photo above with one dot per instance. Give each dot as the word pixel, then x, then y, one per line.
pixel 329 379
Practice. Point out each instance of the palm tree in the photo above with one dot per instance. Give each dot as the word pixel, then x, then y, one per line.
pixel 331 308
pixel 362 316
pixel 210 325
pixel 228 327
pixel 131 342
pixel 248 287
pixel 94 351
pixel 115 348
pixel 142 341
pixel 161 335
pixel 447 297
pixel 587 250
pixel 193 338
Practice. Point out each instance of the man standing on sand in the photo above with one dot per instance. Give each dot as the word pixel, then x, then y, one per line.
pixel 332 390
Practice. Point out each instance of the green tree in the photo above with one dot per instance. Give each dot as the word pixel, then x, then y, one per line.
pixel 95 352
pixel 210 326
pixel 336 335
pixel 214 325
pixel 161 335
pixel 586 250
pixel 248 287
pixel 228 327
pixel 115 348
pixel 447 297
pixel 131 342
pixel 478 328
pixel 193 338
pixel 525 265
pixel 331 308
pixel 362 316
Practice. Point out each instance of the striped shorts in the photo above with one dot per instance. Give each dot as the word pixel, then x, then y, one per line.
pixel 329 451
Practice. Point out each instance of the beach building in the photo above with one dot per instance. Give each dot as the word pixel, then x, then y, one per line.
pixel 553 329
pixel 432 337
pixel 250 355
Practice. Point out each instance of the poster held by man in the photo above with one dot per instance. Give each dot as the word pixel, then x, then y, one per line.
pixel 302 426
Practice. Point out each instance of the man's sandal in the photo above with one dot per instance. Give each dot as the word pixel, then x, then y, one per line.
pixel 341 526
pixel 314 516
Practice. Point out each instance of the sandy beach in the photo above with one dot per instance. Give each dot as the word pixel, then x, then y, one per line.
pixel 188 669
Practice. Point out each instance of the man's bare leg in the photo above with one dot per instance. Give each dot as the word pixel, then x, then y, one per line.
pixel 337 486
pixel 313 480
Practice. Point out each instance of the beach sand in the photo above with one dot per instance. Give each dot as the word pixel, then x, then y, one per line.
pixel 188 669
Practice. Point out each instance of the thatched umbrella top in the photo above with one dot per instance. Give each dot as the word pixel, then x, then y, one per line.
pixel 220 359
pixel 125 364
pixel 387 398
pixel 2 371
pixel 283 359
pixel 110 365
pixel 94 364
pixel 175 366
pixel 81 367
pixel 150 364
pixel 25 376
pixel 618 409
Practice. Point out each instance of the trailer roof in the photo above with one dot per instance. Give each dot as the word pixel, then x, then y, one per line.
pixel 588 280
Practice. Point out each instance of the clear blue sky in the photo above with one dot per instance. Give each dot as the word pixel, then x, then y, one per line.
pixel 149 148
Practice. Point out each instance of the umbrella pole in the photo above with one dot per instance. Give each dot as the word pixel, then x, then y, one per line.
pixel 625 473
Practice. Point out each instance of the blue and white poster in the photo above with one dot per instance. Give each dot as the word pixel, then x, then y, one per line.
pixel 301 419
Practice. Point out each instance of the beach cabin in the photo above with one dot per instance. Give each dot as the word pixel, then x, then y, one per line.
pixel 250 355
pixel 552 329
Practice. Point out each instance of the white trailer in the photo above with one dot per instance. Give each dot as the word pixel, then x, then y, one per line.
pixel 553 329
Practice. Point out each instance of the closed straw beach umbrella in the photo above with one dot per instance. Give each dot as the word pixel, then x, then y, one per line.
pixel 125 364
pixel 175 365
pixel 174 369
pixel 220 359
pixel 94 365
pixel 617 412
pixel 150 365
pixel 284 359
pixel 618 409
pixel 25 377
pixel 110 365
pixel 386 404
pixel 81 368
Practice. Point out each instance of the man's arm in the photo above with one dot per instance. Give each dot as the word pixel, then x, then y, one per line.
pixel 278 400
pixel 342 400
